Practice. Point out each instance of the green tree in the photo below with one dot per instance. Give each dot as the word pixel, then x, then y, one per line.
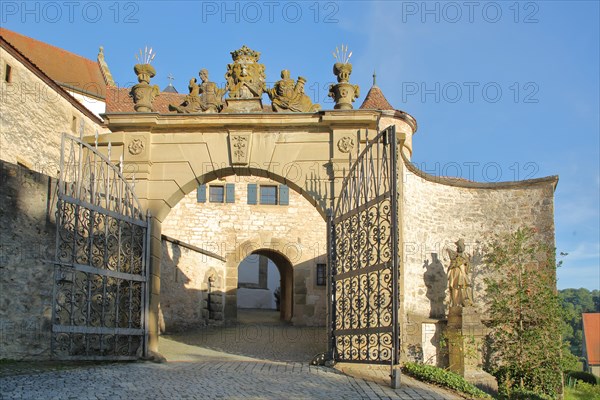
pixel 525 313
pixel 574 303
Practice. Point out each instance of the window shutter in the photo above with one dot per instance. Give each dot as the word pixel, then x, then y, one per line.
pixel 201 195
pixel 230 193
pixel 252 193
pixel 284 195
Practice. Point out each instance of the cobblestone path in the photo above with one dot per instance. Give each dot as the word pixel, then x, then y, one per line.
pixel 249 360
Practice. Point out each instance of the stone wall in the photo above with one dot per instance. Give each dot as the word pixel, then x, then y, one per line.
pixel 192 288
pixel 436 212
pixel 233 231
pixel 33 117
pixel 27 241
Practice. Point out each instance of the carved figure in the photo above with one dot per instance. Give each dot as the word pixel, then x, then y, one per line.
pixel 459 281
pixel 287 96
pixel 143 93
pixel 206 97
pixel 245 76
pixel 211 97
pixel 191 103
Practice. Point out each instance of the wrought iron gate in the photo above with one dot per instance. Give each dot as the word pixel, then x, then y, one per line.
pixel 100 282
pixel 364 257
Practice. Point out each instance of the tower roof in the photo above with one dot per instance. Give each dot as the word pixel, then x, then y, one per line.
pixel 375 100
pixel 170 89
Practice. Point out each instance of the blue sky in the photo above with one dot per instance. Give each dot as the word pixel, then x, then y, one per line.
pixel 500 90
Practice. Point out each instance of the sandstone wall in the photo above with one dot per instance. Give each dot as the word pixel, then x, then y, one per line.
pixel 436 212
pixel 33 117
pixel 188 298
pixel 233 231
pixel 27 241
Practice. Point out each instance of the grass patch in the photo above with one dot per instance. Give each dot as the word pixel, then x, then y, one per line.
pixel 582 391
pixel 438 376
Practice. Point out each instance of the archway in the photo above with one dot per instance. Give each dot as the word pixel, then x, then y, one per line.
pixel 256 283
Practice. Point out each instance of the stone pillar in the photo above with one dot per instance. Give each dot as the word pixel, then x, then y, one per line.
pixel 465 334
pixel 154 282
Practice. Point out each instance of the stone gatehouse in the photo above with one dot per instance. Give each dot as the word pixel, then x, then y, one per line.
pixel 225 177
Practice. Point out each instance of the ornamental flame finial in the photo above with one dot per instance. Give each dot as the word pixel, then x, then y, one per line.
pixel 343 56
pixel 145 57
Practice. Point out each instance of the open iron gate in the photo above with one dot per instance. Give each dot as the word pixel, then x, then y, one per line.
pixel 363 232
pixel 100 269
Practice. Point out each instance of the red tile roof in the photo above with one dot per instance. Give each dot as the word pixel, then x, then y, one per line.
pixel 120 100
pixel 20 57
pixel 591 333
pixel 65 68
pixel 375 100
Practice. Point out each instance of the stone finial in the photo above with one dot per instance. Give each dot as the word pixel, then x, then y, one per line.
pixel 104 68
pixel 143 93
pixel 288 95
pixel 343 93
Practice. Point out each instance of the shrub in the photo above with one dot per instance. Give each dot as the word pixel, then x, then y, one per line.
pixel 522 394
pixel 590 391
pixel 429 373
pixel 583 377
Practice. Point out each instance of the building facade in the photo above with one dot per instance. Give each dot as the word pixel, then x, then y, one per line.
pixel 224 185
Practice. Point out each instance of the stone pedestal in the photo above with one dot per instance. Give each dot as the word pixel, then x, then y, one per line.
pixel 465 334
pixel 240 106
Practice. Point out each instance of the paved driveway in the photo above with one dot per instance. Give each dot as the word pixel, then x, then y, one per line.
pixel 255 359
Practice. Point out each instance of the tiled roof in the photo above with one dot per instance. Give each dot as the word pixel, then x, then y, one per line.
pixel 65 68
pixel 375 100
pixel 120 100
pixel 591 333
pixel 26 62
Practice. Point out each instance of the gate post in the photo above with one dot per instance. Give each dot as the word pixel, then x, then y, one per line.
pixel 329 294
pixel 154 283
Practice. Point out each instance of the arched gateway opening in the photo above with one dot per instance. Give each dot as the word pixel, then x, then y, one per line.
pixel 172 155
pixel 265 286
pixel 210 234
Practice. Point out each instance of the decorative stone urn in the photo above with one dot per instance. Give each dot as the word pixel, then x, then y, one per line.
pixel 343 93
pixel 143 93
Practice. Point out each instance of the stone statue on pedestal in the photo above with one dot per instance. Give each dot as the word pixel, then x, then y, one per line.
pixel 465 330
pixel 459 280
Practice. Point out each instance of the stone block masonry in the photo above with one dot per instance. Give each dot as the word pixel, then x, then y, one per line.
pixel 436 212
pixel 235 230
pixel 27 241
pixel 33 117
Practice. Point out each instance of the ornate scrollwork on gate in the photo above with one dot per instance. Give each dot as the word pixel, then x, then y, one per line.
pixel 364 263
pixel 101 259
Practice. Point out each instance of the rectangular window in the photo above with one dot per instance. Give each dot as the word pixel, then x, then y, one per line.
pixel 268 195
pixel 321 275
pixel 74 124
pixel 216 194
pixel 7 73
